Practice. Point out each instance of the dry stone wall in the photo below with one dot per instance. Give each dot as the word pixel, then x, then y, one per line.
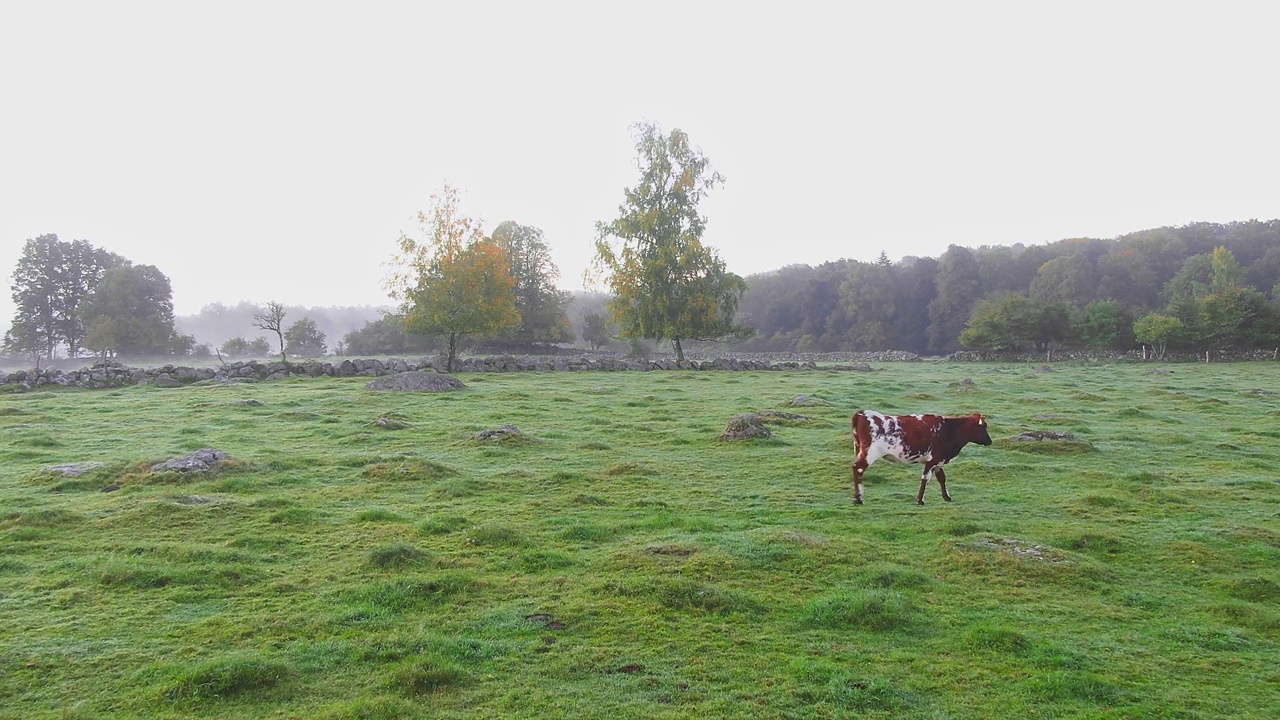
pixel 115 374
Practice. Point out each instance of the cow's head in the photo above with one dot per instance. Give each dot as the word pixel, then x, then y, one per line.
pixel 976 430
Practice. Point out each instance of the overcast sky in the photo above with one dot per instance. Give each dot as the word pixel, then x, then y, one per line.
pixel 276 150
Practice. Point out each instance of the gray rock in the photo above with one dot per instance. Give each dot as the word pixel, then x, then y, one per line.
pixel 389 424
pixel 502 432
pixel 74 469
pixel 417 381
pixel 199 461
pixel 1044 435
pixel 165 381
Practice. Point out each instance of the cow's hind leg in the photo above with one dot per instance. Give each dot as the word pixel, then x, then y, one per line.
pixel 942 483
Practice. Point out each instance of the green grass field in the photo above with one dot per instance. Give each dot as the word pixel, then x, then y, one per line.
pixel 620 561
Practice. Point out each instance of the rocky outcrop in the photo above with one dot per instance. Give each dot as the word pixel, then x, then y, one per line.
pixel 744 427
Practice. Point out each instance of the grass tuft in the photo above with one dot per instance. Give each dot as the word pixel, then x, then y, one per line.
pixel 988 636
pixel 226 677
pixel 442 525
pixel 1256 589
pixel 876 609
pixel 425 676
pixel 414 470
pixel 372 515
pixel 397 555
pixel 495 535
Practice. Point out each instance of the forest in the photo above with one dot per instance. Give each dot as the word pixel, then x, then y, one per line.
pixel 1200 286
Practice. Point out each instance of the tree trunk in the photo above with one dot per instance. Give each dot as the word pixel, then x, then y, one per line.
pixel 453 351
pixel 675 342
pixel 281 336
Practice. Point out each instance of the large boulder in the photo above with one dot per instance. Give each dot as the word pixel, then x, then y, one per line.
pixel 417 381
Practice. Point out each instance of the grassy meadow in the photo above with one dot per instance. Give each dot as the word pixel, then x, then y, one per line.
pixel 620 561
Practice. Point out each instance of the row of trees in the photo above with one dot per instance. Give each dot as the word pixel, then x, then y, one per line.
pixel 1215 284
pixel 455 282
pixel 75 296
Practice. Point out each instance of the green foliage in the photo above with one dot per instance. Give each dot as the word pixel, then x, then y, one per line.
pixel 1012 320
pixel 51 280
pixel 131 312
pixel 1065 279
pixel 540 304
pixel 1156 330
pixel 958 293
pixel 595 330
pixel 304 339
pixel 666 283
pixel 235 347
pixel 1001 323
pixel 386 336
pixel 1104 324
pixel 923 305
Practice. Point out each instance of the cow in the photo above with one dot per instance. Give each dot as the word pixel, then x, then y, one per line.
pixel 932 440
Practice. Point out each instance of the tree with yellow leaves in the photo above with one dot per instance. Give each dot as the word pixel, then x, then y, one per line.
pixel 666 283
pixel 455 282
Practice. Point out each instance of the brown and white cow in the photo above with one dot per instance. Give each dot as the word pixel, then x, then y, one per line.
pixel 932 440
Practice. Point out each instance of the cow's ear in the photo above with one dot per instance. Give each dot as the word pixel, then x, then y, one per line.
pixel 981 420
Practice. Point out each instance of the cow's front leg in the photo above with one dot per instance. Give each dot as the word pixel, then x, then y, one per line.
pixel 924 482
pixel 859 467
pixel 942 483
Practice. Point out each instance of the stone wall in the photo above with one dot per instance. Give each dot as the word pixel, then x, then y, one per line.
pixel 1031 356
pixel 115 374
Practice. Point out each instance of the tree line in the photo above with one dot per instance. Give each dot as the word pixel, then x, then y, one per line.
pixel 1200 286
pixel 1203 286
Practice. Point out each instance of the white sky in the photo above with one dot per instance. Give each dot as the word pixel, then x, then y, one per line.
pixel 276 150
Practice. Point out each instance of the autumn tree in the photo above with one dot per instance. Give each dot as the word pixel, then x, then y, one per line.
pixel 666 283
pixel 271 319
pixel 455 282
pixel 304 339
pixel 541 305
